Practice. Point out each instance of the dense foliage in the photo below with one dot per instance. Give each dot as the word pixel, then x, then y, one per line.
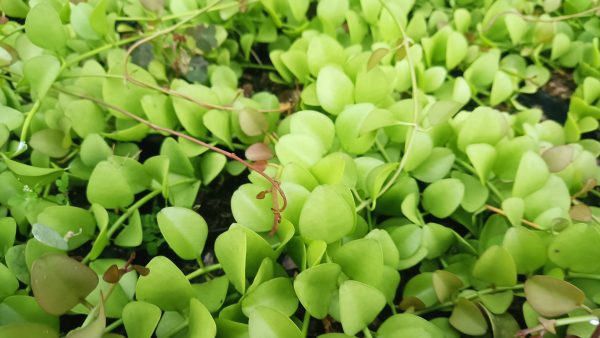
pixel 402 180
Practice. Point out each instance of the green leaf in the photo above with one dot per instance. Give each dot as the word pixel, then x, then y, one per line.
pixel 67 220
pixel 456 49
pixel 445 284
pixel 300 149
pixel 253 122
pixel 482 71
pixel 93 329
pixel 109 187
pixel 408 325
pixel 211 165
pixel 315 287
pixel 184 230
pixel 140 319
pixel 442 111
pixel 436 166
pixel 576 248
pixel 552 297
pixel 371 86
pixel 230 249
pixel 361 260
pixel 250 211
pixel 201 323
pixel 50 142
pixel 531 175
pixel 560 45
pixel 27 330
pixel 497 303
pixel 471 131
pixel 526 248
pixel 334 89
pixel 376 57
pixel 327 214
pixel 268 323
pixel 513 208
pixel 496 266
pixel 40 72
pixel 467 318
pixel 8 282
pixel 218 123
pixel 323 50
pixel 60 282
pixel 359 305
pixel 502 88
pixel 315 124
pixel 8 231
pixel 151 288
pixel 24 309
pixel 516 26
pixel 276 294
pixel 31 175
pixel 10 117
pixel 44 27
pixel 443 197
pixel 212 293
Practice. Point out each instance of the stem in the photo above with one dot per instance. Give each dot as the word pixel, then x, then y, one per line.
pixel 115 226
pixel 573 275
pixel 276 209
pixel 305 324
pixel 524 221
pixel 113 325
pixel 538 19
pixel 412 130
pixel 367 332
pixel 25 129
pixel 559 322
pixel 202 271
pixel 469 297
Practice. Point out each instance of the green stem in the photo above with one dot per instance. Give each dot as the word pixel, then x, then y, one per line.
pixel 561 322
pixel 202 271
pixel 367 333
pixel 382 151
pixel 113 325
pixel 573 275
pixel 23 139
pixel 413 77
pixel 305 324
pixel 469 297
pixel 106 47
pixel 115 226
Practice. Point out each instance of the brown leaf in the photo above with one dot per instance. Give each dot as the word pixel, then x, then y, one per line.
pixel 581 212
pixel 558 158
pixel 142 270
pixel 112 274
pixel 260 165
pixel 411 302
pixel 261 195
pixel 376 57
pixel 259 152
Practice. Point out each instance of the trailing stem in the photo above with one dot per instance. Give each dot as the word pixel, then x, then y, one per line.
pixel 276 208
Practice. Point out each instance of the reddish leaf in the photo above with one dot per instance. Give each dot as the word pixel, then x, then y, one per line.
pixel 142 270
pixel 259 152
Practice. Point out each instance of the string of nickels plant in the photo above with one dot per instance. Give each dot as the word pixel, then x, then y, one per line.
pixel 277 209
pixel 408 147
pixel 538 19
pixel 132 48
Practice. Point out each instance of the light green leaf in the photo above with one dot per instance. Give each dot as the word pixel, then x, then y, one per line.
pixel 41 72
pixel 334 89
pixel 151 288
pixel 184 230
pixel 269 323
pixel 496 266
pixel 443 197
pixel 140 319
pixel 359 305
pixel 315 287
pixel 44 27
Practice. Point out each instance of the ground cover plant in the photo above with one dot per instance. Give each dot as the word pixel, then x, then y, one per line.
pixel 297 168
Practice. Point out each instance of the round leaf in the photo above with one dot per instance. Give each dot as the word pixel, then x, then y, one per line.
pixel 152 288
pixel 184 230
pixel 443 197
pixel 552 297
